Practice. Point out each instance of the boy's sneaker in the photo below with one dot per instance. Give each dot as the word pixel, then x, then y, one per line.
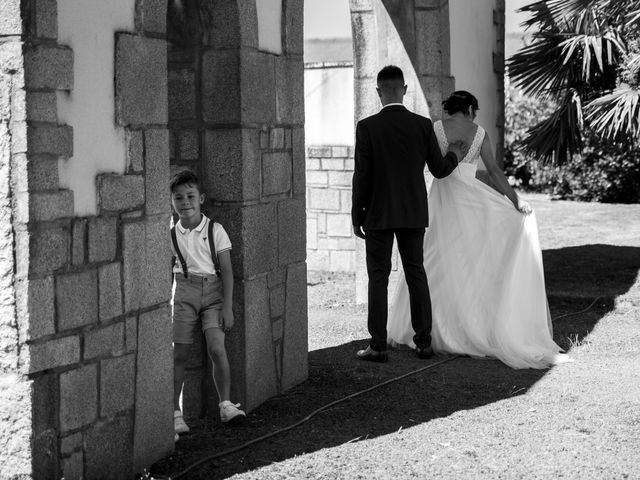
pixel 179 424
pixel 229 411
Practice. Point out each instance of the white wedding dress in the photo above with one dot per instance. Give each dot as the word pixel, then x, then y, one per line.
pixel 485 274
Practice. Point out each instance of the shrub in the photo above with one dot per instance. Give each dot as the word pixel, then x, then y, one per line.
pixel 604 172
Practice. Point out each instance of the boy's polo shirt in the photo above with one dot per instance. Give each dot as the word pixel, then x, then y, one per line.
pixel 194 246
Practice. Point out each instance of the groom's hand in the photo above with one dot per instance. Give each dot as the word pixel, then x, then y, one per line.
pixel 358 232
pixel 459 148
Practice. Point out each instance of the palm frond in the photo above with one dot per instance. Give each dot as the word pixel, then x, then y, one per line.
pixel 616 116
pixel 558 136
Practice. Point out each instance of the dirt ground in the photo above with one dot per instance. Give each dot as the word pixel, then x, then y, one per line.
pixel 460 417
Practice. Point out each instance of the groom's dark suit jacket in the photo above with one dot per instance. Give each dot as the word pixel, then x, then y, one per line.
pixel 392 148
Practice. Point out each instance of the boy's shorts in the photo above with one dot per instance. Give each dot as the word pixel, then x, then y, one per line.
pixel 196 298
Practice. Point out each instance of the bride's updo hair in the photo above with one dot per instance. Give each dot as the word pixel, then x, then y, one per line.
pixel 460 101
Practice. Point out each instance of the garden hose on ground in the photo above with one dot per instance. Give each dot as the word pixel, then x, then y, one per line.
pixel 305 419
pixel 327 406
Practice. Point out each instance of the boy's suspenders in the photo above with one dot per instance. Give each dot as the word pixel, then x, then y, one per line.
pixel 212 247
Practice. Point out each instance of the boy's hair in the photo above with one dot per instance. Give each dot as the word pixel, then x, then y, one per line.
pixel 185 177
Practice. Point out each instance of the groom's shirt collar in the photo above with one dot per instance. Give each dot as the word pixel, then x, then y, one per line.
pixel 393 105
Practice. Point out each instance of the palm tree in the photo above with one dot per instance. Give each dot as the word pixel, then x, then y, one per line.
pixel 585 56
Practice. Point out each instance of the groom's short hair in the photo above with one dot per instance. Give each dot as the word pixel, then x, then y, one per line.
pixel 390 77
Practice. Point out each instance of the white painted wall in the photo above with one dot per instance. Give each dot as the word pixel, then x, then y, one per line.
pixel 328 106
pixel 327 19
pixel 473 40
pixel 88 27
pixel 269 25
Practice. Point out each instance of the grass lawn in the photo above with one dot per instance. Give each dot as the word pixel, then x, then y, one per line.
pixel 465 418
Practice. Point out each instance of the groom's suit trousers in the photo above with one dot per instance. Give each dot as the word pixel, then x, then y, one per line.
pixel 379 246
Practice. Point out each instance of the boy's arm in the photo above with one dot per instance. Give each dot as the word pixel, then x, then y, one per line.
pixel 226 272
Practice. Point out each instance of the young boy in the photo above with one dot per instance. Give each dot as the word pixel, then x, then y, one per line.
pixel 203 292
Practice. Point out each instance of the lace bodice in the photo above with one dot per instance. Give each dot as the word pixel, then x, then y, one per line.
pixel 473 155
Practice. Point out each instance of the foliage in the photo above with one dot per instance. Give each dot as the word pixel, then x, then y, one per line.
pixel 585 58
pixel 605 171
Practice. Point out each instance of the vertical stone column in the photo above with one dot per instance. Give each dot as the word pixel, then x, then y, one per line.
pixel 416 38
pixel 253 169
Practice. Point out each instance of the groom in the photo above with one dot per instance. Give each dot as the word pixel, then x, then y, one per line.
pixel 390 198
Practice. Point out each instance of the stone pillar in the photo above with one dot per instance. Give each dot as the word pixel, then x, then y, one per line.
pixel 414 38
pixel 498 68
pixel 86 384
pixel 248 125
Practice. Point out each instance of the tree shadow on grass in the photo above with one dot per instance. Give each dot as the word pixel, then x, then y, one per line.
pixel 575 277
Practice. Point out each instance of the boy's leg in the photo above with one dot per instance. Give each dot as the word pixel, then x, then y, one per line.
pixel 180 355
pixel 221 370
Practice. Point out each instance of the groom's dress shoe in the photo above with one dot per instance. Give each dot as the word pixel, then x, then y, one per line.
pixel 424 353
pixel 371 355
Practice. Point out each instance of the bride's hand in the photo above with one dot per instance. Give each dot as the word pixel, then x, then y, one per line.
pixel 524 207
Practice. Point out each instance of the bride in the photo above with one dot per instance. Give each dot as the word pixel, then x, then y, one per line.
pixel 483 260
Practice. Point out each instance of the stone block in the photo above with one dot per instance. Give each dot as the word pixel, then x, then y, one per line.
pixel 39 306
pixel 313 164
pixel 225 31
pixel 318 260
pixel 290 90
pixel 429 30
pixel 276 138
pixel 71 443
pixel 277 329
pixel 109 291
pixel 54 140
pixel 349 164
pixel 340 179
pixel 109 449
pixel 261 371
pixel 319 152
pixel 295 366
pixel 48 67
pixel 342 243
pixel 189 145
pixel 276 277
pixel 78 241
pixel 333 164
pixel 11 53
pixel 47 206
pixel 322 223
pixel 103 237
pixel 276 301
pixel 44 422
pixel 157 172
pixel 339 225
pixel 117 384
pixel 104 341
pixel 72 466
pixel 317 178
pixel 146 253
pixel 291 231
pixel 76 299
pixel 259 243
pixel 366 56
pixel 42 107
pixel 44 20
pixel 232 164
pixel 49 250
pixel 264 138
pixel 153 427
pixel 299 162
pixel 135 150
pixel 345 201
pixel 10 21
pixel 312 233
pixel 78 397
pixel 141 80
pixel 182 100
pixel 428 4
pixel 276 173
pixel 324 199
pixel 120 192
pixel 42 172
pixel 341 261
pixel 257 87
pixel 293 28
pixel 221 95
pixel 131 333
pixel 151 16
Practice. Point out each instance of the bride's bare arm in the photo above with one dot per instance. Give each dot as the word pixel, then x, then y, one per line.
pixel 497 176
